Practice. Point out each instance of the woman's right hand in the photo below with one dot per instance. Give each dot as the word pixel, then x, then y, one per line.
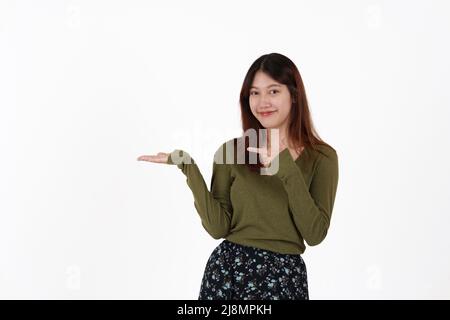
pixel 161 157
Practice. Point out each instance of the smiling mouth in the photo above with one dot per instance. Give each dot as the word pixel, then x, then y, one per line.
pixel 266 114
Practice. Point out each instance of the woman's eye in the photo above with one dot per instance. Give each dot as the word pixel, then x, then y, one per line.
pixel 254 92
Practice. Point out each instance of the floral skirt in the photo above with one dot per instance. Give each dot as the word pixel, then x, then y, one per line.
pixel 238 272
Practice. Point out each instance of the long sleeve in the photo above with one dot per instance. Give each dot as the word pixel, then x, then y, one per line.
pixel 311 208
pixel 214 208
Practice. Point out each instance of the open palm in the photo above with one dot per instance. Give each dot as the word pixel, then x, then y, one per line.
pixel 160 157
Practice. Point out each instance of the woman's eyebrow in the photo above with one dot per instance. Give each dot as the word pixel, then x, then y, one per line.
pixel 272 85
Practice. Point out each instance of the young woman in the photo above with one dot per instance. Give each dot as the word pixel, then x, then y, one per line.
pixel 265 219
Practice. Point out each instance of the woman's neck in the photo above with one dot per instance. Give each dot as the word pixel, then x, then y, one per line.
pixel 282 135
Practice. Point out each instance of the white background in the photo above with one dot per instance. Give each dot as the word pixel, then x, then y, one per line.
pixel 88 86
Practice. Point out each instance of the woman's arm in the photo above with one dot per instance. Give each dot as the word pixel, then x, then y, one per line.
pixel 214 208
pixel 311 208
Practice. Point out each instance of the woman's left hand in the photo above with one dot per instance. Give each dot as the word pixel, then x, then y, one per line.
pixel 267 154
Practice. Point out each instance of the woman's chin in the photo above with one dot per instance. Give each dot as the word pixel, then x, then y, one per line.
pixel 268 124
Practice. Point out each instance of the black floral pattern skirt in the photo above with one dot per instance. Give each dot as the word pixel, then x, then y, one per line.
pixel 238 272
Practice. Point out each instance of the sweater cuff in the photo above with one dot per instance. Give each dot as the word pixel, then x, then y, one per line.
pixel 179 157
pixel 286 165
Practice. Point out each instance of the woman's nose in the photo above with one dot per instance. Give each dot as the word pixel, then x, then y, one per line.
pixel 265 100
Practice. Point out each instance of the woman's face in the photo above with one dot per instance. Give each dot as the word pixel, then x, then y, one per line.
pixel 268 95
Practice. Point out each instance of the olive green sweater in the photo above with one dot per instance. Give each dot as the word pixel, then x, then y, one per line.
pixel 274 212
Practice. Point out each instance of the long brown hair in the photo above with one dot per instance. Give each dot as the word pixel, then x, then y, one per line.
pixel 301 130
